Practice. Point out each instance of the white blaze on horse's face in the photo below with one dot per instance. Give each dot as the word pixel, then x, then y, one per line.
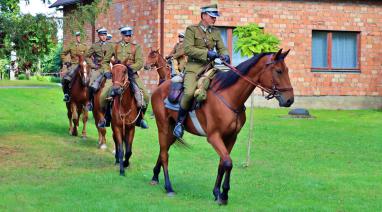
pixel 85 71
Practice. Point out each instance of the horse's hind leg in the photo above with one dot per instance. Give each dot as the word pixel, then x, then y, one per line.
pixel 129 138
pixel 85 117
pixel 219 177
pixel 69 114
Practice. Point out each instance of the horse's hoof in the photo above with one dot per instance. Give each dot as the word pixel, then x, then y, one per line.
pixel 84 137
pixel 103 147
pixel 221 201
pixel 171 194
pixel 122 173
pixel 126 163
pixel 154 182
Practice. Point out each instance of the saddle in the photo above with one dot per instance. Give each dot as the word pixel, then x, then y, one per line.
pixel 200 94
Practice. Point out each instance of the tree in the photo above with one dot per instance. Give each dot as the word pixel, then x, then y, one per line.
pixel 252 40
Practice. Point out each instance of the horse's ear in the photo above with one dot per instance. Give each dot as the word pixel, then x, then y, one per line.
pixel 283 55
pixel 277 55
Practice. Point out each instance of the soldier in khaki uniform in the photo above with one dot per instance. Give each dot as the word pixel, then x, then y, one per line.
pixel 128 50
pixel 200 42
pixel 99 56
pixel 179 58
pixel 70 65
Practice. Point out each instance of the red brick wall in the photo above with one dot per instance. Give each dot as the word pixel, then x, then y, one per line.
pixel 69 36
pixel 144 17
pixel 293 23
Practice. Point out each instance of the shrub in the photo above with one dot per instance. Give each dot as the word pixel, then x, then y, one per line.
pixel 22 77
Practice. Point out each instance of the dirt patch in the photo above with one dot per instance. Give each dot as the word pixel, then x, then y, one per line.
pixel 7 150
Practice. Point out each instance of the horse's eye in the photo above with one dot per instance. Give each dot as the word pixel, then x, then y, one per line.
pixel 279 71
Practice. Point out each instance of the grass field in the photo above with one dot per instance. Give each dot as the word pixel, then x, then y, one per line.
pixel 330 163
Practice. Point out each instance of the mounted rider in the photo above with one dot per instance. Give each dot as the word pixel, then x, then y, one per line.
pixel 131 52
pixel 70 64
pixel 99 56
pixel 177 55
pixel 200 43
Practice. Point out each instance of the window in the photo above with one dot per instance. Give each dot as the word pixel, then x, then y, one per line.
pixel 229 41
pixel 335 51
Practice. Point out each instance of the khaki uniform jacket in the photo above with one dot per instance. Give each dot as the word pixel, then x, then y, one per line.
pixel 131 52
pixel 102 53
pixel 196 47
pixel 73 49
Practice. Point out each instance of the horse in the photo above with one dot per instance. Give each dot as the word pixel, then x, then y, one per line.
pixel 156 61
pixel 124 115
pixel 222 115
pixel 78 98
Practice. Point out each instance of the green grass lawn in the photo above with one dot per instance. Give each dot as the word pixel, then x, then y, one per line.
pixel 331 163
pixel 25 83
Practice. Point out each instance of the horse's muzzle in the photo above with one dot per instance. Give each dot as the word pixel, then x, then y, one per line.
pixel 284 102
pixel 116 91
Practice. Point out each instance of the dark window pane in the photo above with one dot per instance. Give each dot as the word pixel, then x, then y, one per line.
pixel 319 49
pixel 344 50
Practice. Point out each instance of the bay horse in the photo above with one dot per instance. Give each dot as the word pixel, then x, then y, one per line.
pixel 124 114
pixel 78 98
pixel 222 115
pixel 156 61
pixel 98 114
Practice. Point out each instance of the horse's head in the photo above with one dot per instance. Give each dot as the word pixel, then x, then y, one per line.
pixel 84 70
pixel 119 78
pixel 152 60
pixel 275 78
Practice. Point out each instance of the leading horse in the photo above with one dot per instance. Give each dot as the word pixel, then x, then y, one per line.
pixel 222 115
pixel 78 98
pixel 124 114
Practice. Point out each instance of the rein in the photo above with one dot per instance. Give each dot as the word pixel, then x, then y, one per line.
pixel 273 92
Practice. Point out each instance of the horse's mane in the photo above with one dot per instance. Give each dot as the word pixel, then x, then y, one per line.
pixel 226 79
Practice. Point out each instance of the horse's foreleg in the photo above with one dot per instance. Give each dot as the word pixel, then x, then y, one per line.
pixel 129 137
pixel 166 140
pixel 69 114
pixel 118 137
pixel 73 108
pixel 216 141
pixel 116 149
pixel 156 171
pixel 85 117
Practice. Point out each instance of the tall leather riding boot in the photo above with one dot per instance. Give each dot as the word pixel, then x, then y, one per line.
pixel 141 122
pixel 179 128
pixel 66 90
pixel 89 106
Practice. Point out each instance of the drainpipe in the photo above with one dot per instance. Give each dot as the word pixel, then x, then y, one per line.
pixel 162 27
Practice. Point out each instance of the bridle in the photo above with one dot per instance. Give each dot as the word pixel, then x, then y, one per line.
pixel 274 91
pixel 125 84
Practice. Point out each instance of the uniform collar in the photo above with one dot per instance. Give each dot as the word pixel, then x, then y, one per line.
pixel 204 28
pixel 123 43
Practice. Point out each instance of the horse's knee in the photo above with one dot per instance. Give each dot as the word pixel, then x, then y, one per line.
pixel 227 165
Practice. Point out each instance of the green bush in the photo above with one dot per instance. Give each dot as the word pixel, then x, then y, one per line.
pixel 55 79
pixel 22 77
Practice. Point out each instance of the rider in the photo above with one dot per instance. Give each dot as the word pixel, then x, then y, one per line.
pixel 200 43
pixel 109 37
pixel 131 52
pixel 99 56
pixel 70 66
pixel 179 58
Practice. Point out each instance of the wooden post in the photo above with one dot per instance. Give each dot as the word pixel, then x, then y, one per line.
pixel 250 133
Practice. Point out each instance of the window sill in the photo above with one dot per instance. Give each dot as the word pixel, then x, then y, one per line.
pixel 355 71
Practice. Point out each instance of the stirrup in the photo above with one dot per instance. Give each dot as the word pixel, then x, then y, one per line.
pixel 89 106
pixel 143 124
pixel 66 98
pixel 102 123
pixel 178 130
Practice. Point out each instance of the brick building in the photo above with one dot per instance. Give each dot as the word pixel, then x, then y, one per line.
pixel 336 48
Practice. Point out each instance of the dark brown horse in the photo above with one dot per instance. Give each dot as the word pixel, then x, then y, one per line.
pixel 79 98
pixel 156 61
pixel 124 115
pixel 222 115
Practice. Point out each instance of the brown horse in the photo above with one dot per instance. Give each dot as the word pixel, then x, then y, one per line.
pixel 156 61
pixel 124 115
pixel 79 98
pixel 98 114
pixel 222 115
